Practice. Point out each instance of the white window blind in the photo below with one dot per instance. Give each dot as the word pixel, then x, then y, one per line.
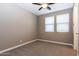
pixel 62 22
pixel 49 24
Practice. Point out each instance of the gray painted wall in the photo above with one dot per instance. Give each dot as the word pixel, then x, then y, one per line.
pixel 16 24
pixel 55 36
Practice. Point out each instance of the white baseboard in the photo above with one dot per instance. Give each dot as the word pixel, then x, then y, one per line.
pixel 14 47
pixel 55 42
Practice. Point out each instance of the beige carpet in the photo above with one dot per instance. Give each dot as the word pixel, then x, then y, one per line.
pixel 39 48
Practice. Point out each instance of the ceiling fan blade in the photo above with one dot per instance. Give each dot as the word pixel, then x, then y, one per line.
pixel 36 3
pixel 49 8
pixel 40 8
pixel 50 3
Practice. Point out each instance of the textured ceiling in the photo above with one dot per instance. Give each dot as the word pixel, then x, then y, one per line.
pixel 55 7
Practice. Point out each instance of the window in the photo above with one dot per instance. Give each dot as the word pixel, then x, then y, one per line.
pixel 49 24
pixel 62 22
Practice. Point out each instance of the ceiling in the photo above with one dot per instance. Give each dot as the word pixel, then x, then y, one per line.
pixel 55 7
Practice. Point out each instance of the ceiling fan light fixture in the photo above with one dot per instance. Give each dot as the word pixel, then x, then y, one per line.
pixel 44 5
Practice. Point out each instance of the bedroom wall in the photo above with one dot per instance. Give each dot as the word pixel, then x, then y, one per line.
pixel 56 36
pixel 16 25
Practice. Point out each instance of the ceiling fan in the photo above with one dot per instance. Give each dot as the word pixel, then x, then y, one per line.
pixel 43 5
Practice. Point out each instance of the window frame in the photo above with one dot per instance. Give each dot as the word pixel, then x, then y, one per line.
pixel 63 23
pixel 55 23
pixel 49 24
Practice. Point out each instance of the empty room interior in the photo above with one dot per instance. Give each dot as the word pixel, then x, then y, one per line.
pixel 39 29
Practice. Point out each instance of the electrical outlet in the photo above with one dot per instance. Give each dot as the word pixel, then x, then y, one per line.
pixel 20 41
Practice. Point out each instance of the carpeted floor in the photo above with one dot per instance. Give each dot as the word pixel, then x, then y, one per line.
pixel 39 48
